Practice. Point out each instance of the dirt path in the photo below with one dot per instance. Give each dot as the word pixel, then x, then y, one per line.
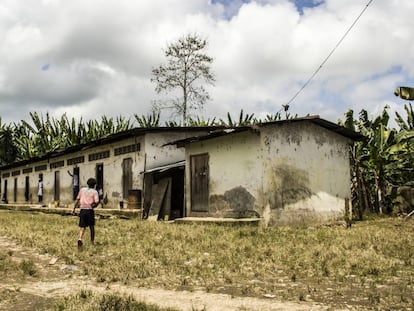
pixel 57 279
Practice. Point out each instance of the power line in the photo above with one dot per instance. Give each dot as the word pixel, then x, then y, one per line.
pixel 326 59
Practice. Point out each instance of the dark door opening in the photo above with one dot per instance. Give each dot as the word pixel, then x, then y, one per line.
pixel 57 187
pixel 75 181
pixel 27 189
pixel 99 179
pixel 4 198
pixel 15 190
pixel 177 194
pixel 40 188
pixel 199 182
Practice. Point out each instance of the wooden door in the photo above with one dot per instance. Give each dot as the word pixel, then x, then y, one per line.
pixel 126 177
pixel 199 182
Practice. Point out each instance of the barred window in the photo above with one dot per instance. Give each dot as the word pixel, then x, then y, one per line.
pixel 76 160
pixel 5 175
pixel 127 149
pixel 27 170
pixel 57 164
pixel 40 168
pixel 98 155
pixel 16 173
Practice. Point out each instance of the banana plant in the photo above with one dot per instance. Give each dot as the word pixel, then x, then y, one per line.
pixel 149 121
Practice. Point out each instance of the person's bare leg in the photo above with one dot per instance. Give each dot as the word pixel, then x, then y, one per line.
pixel 81 233
pixel 92 234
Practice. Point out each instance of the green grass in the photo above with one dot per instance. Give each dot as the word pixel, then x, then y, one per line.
pixel 88 301
pixel 369 265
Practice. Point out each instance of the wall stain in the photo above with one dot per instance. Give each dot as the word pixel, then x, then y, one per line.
pixel 237 203
pixel 291 186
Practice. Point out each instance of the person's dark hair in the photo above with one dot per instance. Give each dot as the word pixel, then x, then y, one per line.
pixel 91 182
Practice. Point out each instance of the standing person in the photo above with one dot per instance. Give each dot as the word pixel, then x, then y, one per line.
pixel 40 190
pixel 87 200
pixel 75 180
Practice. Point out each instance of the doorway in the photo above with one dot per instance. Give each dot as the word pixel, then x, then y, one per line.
pixel 75 181
pixel 99 179
pixel 57 186
pixel 15 190
pixel 4 198
pixel 27 189
pixel 40 188
pixel 126 177
pixel 199 171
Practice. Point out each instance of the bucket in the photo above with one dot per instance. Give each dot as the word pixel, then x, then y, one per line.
pixel 134 199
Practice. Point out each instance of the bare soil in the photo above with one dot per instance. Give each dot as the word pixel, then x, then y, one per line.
pixel 57 279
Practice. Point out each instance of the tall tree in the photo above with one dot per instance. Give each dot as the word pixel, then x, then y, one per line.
pixel 186 69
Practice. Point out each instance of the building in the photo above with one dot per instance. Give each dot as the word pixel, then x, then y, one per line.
pixel 118 163
pixel 287 172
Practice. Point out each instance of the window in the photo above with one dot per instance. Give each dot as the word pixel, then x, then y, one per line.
pixel 127 149
pixel 57 164
pixel 27 170
pixel 5 175
pixel 40 168
pixel 98 156
pixel 76 160
pixel 16 173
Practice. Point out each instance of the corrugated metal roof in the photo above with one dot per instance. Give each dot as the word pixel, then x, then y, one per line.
pixel 214 134
pixel 111 138
pixel 164 168
pixel 313 119
pixel 343 131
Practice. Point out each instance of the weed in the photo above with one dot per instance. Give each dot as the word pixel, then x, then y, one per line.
pixel 85 294
pixel 86 300
pixel 28 267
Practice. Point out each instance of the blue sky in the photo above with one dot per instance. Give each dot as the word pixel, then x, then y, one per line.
pixel 300 4
pixel 100 62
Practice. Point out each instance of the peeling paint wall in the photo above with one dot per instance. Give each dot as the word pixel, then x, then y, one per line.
pixel 289 173
pixel 157 154
pixel 234 174
pixel 112 169
pixel 306 173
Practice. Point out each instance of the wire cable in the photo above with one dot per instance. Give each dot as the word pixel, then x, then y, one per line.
pixel 288 103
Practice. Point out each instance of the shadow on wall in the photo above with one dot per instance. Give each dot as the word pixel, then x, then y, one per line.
pixel 291 186
pixel 236 203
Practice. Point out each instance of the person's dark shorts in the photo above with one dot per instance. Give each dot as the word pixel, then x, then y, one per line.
pixel 86 218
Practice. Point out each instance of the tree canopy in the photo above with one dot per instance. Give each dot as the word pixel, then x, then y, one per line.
pixel 187 68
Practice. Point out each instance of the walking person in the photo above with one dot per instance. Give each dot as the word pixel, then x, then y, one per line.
pixel 87 199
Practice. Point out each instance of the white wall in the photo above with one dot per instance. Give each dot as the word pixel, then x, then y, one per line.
pixel 152 153
pixel 234 162
pixel 297 172
pixel 306 173
pixel 158 154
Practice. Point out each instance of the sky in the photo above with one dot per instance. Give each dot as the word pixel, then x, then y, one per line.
pixel 90 58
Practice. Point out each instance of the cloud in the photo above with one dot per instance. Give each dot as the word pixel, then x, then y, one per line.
pixel 93 58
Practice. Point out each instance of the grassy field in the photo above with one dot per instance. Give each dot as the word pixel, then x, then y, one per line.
pixel 370 265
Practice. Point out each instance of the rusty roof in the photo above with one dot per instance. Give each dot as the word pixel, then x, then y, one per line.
pixel 315 119
pixel 109 139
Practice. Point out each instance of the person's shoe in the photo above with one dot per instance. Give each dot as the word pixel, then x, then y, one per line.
pixel 80 243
